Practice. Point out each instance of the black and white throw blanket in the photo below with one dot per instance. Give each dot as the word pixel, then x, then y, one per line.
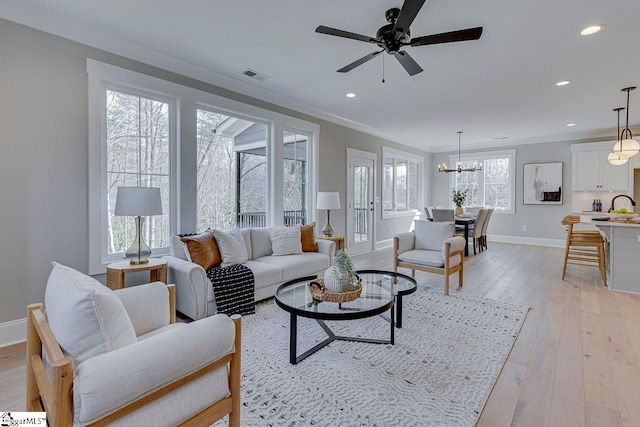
pixel 233 288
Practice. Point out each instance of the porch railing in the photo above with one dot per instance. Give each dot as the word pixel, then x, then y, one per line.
pixel 259 219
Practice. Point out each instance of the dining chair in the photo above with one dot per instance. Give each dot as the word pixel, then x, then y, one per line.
pixel 428 210
pixel 441 215
pixel 473 209
pixel 485 225
pixel 476 233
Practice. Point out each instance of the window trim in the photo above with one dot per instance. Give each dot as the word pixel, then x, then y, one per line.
pixel 481 156
pixel 402 155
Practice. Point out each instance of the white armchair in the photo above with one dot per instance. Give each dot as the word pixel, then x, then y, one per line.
pixel 431 248
pixel 101 357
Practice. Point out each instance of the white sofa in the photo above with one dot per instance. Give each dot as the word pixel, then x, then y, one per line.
pixel 194 292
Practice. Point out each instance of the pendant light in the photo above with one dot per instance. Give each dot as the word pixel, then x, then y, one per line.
pixel 474 168
pixel 614 157
pixel 626 145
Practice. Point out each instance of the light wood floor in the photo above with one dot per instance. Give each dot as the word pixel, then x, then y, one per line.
pixel 576 361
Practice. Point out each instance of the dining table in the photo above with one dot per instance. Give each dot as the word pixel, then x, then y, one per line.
pixel 466 222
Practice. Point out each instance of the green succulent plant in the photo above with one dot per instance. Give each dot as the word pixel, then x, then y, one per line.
pixel 344 267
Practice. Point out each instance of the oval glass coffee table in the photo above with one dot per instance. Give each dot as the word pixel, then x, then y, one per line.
pixel 382 291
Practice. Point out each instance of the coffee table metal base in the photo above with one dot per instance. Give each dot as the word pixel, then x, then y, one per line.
pixel 293 338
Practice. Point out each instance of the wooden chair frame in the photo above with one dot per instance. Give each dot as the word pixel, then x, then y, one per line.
pixel 446 271
pixel 55 395
pixel 577 248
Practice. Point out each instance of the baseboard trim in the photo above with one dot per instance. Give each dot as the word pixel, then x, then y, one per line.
pixel 13 332
pixel 534 241
pixel 381 244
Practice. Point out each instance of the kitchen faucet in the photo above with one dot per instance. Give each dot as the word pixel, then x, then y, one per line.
pixel 633 203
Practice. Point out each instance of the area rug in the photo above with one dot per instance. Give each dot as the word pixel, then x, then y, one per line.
pixel 444 363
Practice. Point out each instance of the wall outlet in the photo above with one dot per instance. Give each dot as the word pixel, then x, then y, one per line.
pixel 524 228
pixel 390 232
pixel 638 238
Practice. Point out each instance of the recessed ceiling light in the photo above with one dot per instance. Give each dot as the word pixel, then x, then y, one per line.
pixel 563 83
pixel 571 124
pixel 351 95
pixel 592 30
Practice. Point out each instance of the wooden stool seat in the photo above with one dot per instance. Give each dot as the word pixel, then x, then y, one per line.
pixel 584 247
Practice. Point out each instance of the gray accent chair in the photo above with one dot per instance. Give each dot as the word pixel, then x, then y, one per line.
pixel 430 248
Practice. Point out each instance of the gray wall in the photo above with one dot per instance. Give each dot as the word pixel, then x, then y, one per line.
pixel 44 167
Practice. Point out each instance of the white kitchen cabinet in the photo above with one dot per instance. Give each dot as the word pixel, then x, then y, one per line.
pixel 592 172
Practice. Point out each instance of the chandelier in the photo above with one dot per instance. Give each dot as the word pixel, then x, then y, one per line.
pixel 443 167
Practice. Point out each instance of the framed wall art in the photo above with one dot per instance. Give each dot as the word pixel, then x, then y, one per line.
pixel 542 183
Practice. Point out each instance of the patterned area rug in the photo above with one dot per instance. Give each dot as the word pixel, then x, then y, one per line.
pixel 441 370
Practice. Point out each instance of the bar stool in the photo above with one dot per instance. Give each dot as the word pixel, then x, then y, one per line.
pixel 584 247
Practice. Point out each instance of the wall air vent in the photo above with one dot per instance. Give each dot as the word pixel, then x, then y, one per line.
pixel 255 75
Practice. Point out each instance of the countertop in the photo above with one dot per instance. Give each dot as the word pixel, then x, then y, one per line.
pixel 610 223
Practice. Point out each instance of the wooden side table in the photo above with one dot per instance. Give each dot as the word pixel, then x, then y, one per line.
pixel 336 238
pixel 157 269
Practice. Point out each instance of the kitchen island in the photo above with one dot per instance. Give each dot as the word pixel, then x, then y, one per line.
pixel 623 253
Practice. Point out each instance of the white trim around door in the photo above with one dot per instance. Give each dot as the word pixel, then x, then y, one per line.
pixel 363 217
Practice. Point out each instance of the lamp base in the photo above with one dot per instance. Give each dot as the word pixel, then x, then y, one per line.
pixel 139 252
pixel 328 230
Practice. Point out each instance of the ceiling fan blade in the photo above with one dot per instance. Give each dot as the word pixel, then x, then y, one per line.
pixel 452 36
pixel 359 62
pixel 346 34
pixel 408 13
pixel 408 63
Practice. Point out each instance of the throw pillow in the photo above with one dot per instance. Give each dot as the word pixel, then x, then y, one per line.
pixel 430 235
pixel 86 317
pixel 286 240
pixel 308 237
pixel 203 249
pixel 232 248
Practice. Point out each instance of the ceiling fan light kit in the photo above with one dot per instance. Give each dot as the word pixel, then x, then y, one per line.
pixel 475 168
pixel 394 36
pixel 626 147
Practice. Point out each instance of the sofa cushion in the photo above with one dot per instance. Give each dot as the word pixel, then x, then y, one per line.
pixel 264 274
pixel 246 238
pixel 308 237
pixel 232 248
pixel 295 266
pixel 422 257
pixel 430 235
pixel 285 240
pixel 86 317
pixel 178 248
pixel 203 249
pixel 260 242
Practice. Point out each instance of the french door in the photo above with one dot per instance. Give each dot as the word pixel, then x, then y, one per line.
pixel 360 201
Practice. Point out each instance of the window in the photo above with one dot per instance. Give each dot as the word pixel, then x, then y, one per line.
pixel 401 183
pixel 137 151
pixel 231 172
pixel 494 186
pixel 295 178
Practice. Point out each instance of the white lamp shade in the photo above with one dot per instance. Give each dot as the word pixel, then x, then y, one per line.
pixel 630 148
pixel 138 201
pixel 328 200
pixel 615 159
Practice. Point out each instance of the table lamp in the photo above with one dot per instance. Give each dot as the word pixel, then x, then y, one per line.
pixel 138 202
pixel 328 201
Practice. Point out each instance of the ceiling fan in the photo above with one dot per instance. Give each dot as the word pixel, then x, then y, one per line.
pixel 396 35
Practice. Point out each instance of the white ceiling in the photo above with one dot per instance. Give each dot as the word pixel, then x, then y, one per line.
pixel 501 85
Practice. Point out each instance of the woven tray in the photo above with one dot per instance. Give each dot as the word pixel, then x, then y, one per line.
pixel 320 292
